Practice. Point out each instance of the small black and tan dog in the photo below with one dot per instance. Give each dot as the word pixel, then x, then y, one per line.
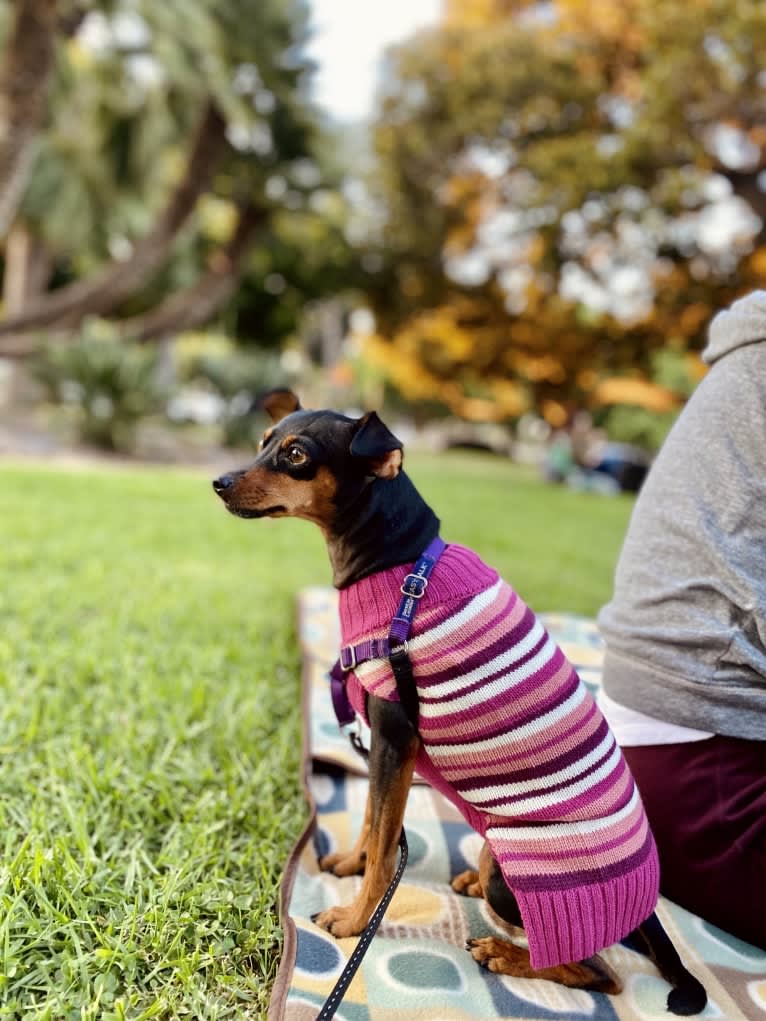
pixel 345 475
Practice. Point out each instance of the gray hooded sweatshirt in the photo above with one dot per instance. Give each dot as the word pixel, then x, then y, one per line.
pixel 686 628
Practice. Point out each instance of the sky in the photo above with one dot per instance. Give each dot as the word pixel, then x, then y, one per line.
pixel 349 39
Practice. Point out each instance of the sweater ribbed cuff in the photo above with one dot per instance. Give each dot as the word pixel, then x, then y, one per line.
pixel 561 924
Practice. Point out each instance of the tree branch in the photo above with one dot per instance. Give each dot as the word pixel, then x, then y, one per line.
pixel 185 309
pixel 69 21
pixel 108 287
pixel 196 305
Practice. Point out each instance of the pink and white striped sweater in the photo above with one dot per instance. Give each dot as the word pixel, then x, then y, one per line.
pixel 514 739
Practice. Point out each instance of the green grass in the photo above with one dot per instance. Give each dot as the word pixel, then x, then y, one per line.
pixel 149 732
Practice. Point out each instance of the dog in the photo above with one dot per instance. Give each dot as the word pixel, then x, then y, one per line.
pixel 568 854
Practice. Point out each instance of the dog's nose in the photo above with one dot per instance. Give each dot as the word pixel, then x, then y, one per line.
pixel 222 484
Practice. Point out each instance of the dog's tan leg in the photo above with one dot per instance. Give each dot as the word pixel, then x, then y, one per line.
pixel 472 883
pixel 393 749
pixel 350 863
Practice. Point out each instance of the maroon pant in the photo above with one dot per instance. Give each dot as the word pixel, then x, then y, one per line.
pixel 706 803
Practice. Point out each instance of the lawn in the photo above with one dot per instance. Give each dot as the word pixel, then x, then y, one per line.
pixel 149 790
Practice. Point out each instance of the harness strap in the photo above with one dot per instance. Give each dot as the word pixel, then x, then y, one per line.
pixel 394 647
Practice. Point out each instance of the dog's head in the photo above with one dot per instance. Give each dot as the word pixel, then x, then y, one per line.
pixel 308 462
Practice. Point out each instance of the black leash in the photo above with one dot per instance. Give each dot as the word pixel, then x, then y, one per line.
pixel 352 965
pixel 365 937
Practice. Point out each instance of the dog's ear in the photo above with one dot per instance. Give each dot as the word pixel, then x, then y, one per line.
pixel 278 403
pixel 377 445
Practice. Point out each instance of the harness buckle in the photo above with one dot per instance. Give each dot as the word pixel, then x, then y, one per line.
pixel 414 579
pixel 345 667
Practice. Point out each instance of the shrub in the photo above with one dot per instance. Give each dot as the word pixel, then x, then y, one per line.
pixel 108 383
pixel 628 423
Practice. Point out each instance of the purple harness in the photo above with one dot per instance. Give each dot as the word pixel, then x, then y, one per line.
pixel 394 647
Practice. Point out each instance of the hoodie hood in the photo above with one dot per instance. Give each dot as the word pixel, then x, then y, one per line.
pixel 743 323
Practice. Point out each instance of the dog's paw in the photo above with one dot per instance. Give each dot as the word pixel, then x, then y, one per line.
pixel 506 958
pixel 343 864
pixel 467 883
pixel 489 952
pixel 339 922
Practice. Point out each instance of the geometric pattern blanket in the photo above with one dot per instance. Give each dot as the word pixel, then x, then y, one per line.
pixel 417 968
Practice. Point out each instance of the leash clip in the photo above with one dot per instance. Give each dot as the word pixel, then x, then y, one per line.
pixel 402 649
pixel 353 732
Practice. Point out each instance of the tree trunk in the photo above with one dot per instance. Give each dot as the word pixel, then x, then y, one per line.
pixel 27 268
pixel 24 77
pixel 26 274
pixel 106 288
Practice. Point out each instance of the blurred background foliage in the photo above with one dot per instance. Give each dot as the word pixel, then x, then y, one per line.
pixel 569 189
pixel 552 200
pixel 105 384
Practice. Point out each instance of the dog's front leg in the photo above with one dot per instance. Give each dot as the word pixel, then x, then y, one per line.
pixel 350 863
pixel 393 747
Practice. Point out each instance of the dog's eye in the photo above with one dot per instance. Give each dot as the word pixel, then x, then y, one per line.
pixel 296 456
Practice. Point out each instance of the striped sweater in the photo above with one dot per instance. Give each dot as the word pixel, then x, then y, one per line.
pixel 514 739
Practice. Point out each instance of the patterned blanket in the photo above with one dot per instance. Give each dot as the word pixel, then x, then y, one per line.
pixel 417 967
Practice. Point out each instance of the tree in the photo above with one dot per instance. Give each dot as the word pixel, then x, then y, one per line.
pixel 567 188
pixel 149 128
pixel 105 288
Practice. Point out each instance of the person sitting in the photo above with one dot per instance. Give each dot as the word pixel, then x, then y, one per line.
pixel 684 683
